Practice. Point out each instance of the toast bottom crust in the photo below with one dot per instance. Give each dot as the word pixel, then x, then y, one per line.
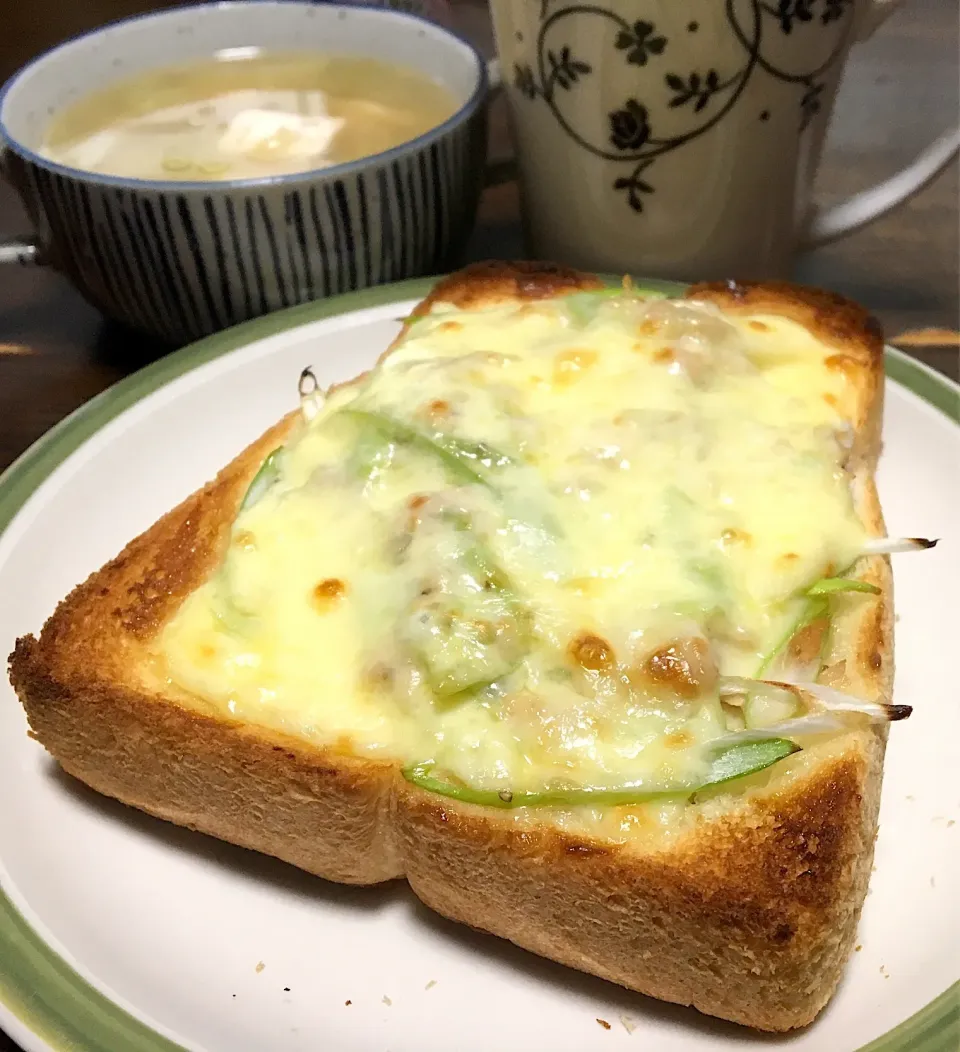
pixel 762 945
pixel 749 916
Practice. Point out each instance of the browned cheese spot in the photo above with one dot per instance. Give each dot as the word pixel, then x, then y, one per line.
pixel 437 409
pixel 568 365
pixel 414 504
pixel 244 539
pixel 205 653
pixel 842 363
pixel 591 652
pixel 328 593
pixel 683 667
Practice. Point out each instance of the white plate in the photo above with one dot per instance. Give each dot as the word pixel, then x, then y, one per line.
pixel 222 950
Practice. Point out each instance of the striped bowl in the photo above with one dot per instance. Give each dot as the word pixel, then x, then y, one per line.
pixel 182 259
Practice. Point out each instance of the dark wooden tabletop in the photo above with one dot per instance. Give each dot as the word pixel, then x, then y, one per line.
pixel 900 91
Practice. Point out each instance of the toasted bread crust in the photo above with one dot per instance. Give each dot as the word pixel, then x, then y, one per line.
pixel 832 319
pixel 748 912
pixel 494 282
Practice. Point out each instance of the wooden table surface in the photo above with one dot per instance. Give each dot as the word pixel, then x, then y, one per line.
pixel 900 91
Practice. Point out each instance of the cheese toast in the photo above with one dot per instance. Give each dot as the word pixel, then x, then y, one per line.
pixel 567 613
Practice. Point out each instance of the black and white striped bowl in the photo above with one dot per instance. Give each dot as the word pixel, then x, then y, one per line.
pixel 183 259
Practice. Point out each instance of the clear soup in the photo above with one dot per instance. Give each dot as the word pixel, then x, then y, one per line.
pixel 245 114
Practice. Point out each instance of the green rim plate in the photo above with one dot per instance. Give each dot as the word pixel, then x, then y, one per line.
pixel 38 988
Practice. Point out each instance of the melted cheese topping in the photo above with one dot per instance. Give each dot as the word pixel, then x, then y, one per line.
pixel 524 546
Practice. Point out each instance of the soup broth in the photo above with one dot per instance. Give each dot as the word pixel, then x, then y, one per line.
pixel 246 114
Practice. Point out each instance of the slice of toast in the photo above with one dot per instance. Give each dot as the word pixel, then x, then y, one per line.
pixel 747 911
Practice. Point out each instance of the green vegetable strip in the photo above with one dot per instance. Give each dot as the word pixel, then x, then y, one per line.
pixel 464 460
pixel 267 475
pixel 815 608
pixel 457 658
pixel 817 596
pixel 832 585
pixel 583 306
pixel 748 758
pixel 734 762
pixel 481 561
pixel 233 616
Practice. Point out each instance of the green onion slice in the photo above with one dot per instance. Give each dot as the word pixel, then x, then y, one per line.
pixel 729 763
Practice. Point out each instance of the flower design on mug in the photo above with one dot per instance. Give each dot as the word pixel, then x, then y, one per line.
pixel 630 127
pixel 833 9
pixel 693 87
pixel 790 11
pixel 565 70
pixel 524 80
pixel 635 186
pixel 640 41
pixel 634 135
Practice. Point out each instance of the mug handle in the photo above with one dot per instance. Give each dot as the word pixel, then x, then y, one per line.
pixel 828 224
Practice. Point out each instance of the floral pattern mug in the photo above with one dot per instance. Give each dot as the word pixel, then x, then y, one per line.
pixel 681 139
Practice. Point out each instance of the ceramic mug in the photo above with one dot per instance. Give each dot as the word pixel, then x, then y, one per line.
pixel 183 259
pixel 681 140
